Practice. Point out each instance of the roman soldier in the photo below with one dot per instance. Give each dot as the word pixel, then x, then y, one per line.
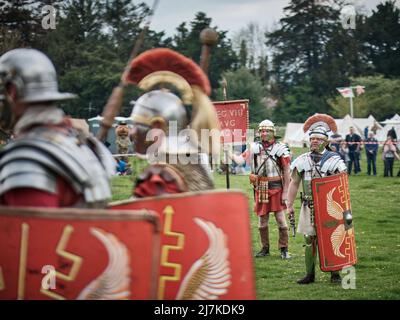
pixel 270 177
pixel 168 120
pixel 48 163
pixel 318 162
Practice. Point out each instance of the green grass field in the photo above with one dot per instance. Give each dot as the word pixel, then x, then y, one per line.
pixel 376 211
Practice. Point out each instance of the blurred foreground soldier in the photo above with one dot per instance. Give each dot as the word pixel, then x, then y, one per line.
pixel 48 163
pixel 270 177
pixel 318 162
pixel 167 123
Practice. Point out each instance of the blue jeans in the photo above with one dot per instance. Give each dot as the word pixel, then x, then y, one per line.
pixel 388 167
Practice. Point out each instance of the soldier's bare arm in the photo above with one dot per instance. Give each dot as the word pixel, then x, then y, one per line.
pixel 286 183
pixel 293 188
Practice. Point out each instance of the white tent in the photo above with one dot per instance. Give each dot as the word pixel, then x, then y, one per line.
pixel 345 124
pixel 393 122
pixel 295 137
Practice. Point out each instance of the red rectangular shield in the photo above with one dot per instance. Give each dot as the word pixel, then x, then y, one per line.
pixel 78 254
pixel 205 245
pixel 233 118
pixel 336 245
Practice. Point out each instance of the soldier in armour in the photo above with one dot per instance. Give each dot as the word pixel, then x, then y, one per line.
pixel 175 107
pixel 48 163
pixel 320 161
pixel 270 177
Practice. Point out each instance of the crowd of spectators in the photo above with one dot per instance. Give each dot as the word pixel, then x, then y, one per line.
pixel 350 149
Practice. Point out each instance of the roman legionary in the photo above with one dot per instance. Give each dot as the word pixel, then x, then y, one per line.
pixel 318 162
pixel 171 113
pixel 48 163
pixel 270 177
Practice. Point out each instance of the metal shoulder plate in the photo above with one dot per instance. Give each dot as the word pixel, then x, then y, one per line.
pixel 19 172
pixel 334 164
pixel 50 153
pixel 302 163
pixel 280 150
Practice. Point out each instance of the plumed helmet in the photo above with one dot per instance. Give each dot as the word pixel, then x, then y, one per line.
pixel 33 74
pixel 319 125
pixel 266 125
pixel 173 85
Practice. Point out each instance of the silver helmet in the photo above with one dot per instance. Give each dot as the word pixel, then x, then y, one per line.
pixel 267 125
pixel 319 131
pixel 160 105
pixel 33 74
pixel 169 111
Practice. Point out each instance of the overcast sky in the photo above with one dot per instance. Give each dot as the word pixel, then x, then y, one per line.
pixel 227 15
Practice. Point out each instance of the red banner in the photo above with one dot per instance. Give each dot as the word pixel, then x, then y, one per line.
pixel 205 245
pixel 83 254
pixel 233 118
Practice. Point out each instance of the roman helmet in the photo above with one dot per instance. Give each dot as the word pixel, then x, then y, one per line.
pixel 319 126
pixel 175 91
pixel 34 77
pixel 267 125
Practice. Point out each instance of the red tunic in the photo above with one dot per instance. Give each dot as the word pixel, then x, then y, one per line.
pixel 30 197
pixel 274 195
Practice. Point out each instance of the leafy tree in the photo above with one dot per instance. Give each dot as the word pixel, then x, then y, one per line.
pixel 298 104
pixel 299 45
pixel 243 54
pixel 381 98
pixel 242 84
pixel 188 43
pixel 382 39
pixel 21 23
pixel 90 47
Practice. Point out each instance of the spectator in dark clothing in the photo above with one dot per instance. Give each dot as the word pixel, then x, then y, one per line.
pixel 371 150
pixel 335 141
pixel 392 133
pixel 344 152
pixel 354 143
pixel 366 133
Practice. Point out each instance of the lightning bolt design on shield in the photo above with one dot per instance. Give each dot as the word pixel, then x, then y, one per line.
pixel 169 212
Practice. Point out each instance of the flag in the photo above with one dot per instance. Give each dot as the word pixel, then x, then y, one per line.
pixel 360 90
pixel 346 92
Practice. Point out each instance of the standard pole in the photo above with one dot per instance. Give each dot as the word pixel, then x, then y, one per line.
pixel 224 86
pixel 351 107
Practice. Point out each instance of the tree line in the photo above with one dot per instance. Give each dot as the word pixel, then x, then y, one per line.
pixel 288 73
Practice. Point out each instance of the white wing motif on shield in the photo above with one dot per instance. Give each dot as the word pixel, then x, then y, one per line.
pixel 337 238
pixel 335 210
pixel 209 277
pixel 114 282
